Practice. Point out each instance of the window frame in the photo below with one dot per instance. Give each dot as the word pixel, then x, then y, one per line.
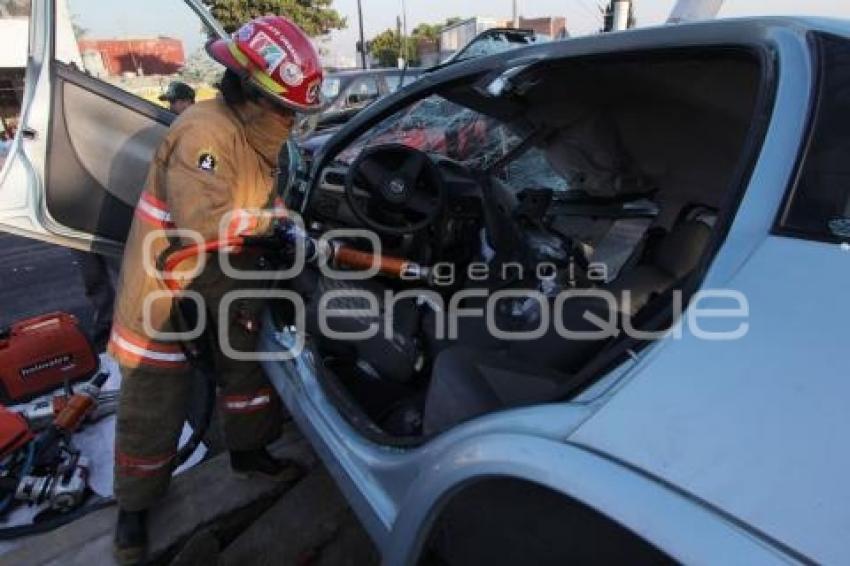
pixel 71 74
pixel 780 226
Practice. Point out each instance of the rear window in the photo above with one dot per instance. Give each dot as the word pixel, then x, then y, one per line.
pixel 819 205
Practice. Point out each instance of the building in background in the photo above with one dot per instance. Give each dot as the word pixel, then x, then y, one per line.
pixel 133 56
pixel 554 27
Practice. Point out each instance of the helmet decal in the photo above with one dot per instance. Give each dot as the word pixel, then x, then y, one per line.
pixel 292 74
pixel 279 36
pixel 271 53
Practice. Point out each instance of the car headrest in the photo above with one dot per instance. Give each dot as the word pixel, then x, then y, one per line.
pixel 680 250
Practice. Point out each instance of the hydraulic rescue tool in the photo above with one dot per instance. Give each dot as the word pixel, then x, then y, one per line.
pixel 281 243
pixel 38 461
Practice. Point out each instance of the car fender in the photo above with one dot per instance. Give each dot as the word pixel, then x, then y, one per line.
pixel 685 528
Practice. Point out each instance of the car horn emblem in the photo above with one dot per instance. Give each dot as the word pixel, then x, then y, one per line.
pixel 397 188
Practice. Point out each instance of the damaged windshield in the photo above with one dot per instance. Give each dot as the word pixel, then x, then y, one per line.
pixel 438 125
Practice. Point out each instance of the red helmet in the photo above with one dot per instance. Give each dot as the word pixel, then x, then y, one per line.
pixel 278 58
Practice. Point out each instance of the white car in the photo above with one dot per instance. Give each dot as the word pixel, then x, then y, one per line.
pixel 704 163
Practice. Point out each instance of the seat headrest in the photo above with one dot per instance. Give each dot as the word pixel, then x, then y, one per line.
pixel 680 250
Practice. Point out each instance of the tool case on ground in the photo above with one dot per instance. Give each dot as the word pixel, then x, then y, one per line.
pixel 40 354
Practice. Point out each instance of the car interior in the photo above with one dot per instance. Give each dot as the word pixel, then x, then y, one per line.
pixel 611 173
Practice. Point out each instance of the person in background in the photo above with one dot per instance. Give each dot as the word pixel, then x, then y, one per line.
pixel 179 96
pixel 99 275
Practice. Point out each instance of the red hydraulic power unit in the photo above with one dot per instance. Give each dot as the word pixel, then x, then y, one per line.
pixel 39 354
pixel 14 432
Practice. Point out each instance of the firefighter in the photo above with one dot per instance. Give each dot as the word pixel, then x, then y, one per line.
pixel 215 166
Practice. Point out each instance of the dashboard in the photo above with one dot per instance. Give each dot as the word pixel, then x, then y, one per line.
pixel 450 235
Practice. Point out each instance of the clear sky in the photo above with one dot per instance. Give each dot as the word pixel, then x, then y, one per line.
pixel 169 17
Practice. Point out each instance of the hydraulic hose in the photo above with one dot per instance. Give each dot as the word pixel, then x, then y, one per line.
pixel 180 255
pixel 339 254
pixel 197 353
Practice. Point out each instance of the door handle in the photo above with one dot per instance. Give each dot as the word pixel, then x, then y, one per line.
pixel 29 133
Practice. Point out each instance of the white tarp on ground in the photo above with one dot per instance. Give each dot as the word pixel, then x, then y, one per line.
pixel 96 441
pixel 15 34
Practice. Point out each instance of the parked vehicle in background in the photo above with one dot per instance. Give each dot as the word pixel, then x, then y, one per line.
pixel 348 92
pixel 456 36
pixel 495 40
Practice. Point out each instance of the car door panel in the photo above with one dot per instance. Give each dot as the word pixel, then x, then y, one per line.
pixel 101 143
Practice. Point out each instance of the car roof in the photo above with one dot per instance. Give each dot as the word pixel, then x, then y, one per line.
pixel 347 73
pixel 756 32
pixel 660 36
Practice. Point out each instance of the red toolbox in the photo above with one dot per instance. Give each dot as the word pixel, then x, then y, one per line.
pixel 39 354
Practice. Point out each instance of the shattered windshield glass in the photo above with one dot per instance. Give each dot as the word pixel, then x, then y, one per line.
pixel 498 41
pixel 437 125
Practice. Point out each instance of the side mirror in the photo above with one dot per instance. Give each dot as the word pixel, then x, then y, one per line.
pixel 353 99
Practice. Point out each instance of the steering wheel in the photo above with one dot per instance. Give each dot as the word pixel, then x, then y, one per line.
pixel 405 188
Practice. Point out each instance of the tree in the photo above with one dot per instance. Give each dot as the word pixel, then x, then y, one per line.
pixel 316 17
pixel 386 48
pixel 432 31
pixel 427 31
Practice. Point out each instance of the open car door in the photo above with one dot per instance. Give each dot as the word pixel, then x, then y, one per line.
pixel 91 119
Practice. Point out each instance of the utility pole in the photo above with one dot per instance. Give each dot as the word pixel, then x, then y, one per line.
pixel 402 32
pixel 621 11
pixel 617 15
pixel 516 14
pixel 694 10
pixel 362 38
pixel 400 61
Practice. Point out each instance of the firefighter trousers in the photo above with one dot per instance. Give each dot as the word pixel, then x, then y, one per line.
pixel 153 409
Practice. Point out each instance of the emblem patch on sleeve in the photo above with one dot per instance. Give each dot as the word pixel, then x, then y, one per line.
pixel 207 161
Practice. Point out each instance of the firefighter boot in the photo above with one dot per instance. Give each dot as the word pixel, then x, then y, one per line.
pixel 131 537
pixel 248 463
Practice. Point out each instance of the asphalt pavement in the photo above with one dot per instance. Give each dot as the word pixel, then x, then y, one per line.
pixel 38 278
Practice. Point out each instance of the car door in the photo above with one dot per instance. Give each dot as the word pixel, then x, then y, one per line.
pixel 91 118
